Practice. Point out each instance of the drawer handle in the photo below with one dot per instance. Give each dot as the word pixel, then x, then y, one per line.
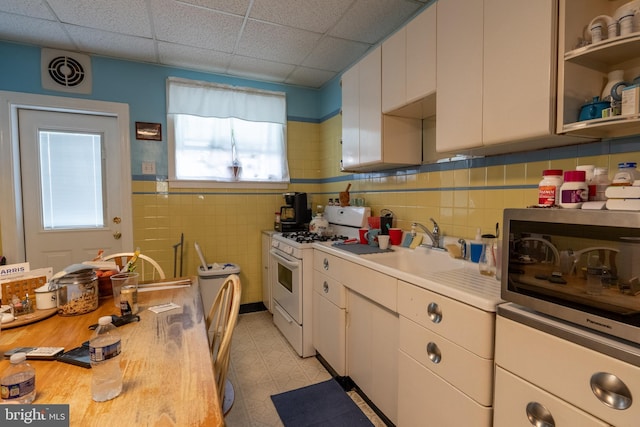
pixel 611 391
pixel 434 352
pixel 325 264
pixel 434 312
pixel 539 416
pixel 325 287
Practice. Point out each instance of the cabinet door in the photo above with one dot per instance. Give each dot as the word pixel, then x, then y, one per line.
pixel 372 349
pixel 351 117
pixel 266 277
pixel 329 332
pixel 519 69
pixel 459 75
pixel 517 399
pixel 421 55
pixel 370 150
pixel 394 71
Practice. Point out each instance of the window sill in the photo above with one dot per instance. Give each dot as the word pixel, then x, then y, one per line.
pixel 237 185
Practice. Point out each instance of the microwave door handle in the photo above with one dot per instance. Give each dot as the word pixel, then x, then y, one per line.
pixel 285 261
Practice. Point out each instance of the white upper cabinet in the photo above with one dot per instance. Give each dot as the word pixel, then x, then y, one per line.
pixel 459 74
pixel 496 69
pixel 583 66
pixel 519 76
pixel 409 68
pixel 371 141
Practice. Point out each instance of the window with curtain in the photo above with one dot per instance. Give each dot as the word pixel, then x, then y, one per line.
pixel 225 134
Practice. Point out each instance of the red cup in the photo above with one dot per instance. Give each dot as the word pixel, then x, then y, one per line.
pixel 395 236
pixel 363 235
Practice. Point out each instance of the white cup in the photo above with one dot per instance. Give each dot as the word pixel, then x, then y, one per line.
pixel 626 25
pixel 596 33
pixel 383 241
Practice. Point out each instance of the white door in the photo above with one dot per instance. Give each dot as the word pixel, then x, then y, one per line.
pixel 71 186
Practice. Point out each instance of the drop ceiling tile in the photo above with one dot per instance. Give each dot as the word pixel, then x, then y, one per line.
pixel 259 69
pixel 370 21
pixel 193 58
pixel 276 43
pixel 194 26
pixel 310 15
pixel 113 44
pixel 335 54
pixel 238 7
pixel 34 31
pixel 309 77
pixel 121 16
pixel 34 8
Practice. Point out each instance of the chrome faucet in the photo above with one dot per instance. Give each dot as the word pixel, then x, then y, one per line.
pixel 434 235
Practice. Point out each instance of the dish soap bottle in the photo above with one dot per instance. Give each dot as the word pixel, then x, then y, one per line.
pixel 319 223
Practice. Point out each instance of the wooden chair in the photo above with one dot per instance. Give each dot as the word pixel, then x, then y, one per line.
pixel 145 265
pixel 220 323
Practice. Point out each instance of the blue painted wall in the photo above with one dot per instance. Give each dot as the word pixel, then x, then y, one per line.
pixel 142 86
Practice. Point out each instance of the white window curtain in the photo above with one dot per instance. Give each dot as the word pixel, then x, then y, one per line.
pixel 226 133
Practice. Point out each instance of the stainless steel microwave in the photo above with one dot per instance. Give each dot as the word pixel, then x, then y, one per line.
pixel 582 266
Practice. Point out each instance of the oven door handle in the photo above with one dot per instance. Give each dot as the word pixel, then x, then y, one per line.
pixel 283 260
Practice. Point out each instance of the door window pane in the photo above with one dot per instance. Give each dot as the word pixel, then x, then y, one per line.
pixel 71 177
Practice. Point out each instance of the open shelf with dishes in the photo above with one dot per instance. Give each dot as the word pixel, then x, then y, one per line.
pixel 584 68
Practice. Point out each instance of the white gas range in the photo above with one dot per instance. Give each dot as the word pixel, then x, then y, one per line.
pixel 291 258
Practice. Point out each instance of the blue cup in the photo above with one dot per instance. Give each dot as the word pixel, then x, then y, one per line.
pixel 476 251
pixel 372 236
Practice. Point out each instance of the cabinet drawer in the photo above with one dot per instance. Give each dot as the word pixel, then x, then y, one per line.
pixel 466 371
pixel 466 326
pixel 517 399
pixel 330 265
pixel 376 286
pixel 565 369
pixel 330 288
pixel 425 399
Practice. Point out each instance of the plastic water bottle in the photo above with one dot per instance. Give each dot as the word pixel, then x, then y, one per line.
pixel 18 383
pixel 104 350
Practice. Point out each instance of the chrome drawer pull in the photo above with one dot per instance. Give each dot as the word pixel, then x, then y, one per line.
pixel 325 264
pixel 434 312
pixel 539 416
pixel 325 287
pixel 434 352
pixel 611 391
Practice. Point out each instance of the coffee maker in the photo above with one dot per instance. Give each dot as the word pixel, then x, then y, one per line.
pixel 294 215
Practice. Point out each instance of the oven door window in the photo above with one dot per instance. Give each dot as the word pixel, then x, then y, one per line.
pixel 285 277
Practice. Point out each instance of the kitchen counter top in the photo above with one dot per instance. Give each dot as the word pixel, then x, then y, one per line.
pixel 462 282
pixel 168 376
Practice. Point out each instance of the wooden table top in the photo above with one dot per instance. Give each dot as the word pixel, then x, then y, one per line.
pixel 168 376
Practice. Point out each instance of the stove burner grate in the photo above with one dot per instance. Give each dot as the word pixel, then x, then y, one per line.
pixel 308 237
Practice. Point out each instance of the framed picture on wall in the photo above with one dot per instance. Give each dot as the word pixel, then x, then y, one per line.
pixel 149 131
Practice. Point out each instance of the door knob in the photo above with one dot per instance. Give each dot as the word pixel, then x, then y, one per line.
pixel 117 235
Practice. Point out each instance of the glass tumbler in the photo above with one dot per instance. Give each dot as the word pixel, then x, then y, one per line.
pixel 487 262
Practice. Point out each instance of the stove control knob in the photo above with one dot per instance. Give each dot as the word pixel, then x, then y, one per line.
pixel 275 244
pixel 289 250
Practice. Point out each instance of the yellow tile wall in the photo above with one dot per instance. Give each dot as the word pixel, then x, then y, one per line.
pixel 228 223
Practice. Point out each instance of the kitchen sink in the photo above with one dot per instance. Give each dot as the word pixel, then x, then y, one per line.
pixel 420 261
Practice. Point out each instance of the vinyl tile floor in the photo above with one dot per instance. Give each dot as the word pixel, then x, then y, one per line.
pixel 262 364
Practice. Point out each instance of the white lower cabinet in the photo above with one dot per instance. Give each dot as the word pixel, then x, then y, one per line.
pixel 519 403
pixel 561 380
pixel 445 361
pixel 372 351
pixel 329 321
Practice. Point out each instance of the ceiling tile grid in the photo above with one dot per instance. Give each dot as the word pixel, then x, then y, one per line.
pixel 296 42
